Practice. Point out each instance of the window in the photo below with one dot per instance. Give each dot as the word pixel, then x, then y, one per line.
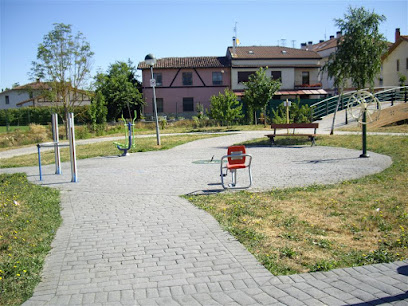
pixel 397 64
pixel 7 99
pixel 158 78
pixel 188 104
pixel 276 75
pixel 217 78
pixel 159 103
pixel 243 76
pixel 187 78
pixel 305 77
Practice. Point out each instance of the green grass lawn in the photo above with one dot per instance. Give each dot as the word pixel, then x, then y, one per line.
pixel 319 228
pixel 29 218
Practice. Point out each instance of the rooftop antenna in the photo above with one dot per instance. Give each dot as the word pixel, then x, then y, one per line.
pixel 293 43
pixel 283 40
pixel 234 40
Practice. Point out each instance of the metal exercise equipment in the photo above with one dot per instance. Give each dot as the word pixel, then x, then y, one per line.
pixel 365 108
pixel 236 158
pixel 129 137
pixel 56 145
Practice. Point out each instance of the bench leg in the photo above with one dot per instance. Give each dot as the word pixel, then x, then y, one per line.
pixel 272 140
pixel 312 138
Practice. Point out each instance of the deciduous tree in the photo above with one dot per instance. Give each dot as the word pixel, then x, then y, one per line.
pixel 64 62
pixel 225 107
pixel 359 50
pixel 120 89
pixel 260 89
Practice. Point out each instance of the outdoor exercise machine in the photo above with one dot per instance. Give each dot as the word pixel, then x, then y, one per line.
pixel 365 108
pixel 56 145
pixel 129 137
pixel 236 158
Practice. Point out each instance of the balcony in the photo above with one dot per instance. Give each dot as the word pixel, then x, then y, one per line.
pixel 309 86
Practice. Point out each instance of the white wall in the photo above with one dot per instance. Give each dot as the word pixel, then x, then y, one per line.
pixel 389 66
pixel 288 77
pixel 15 96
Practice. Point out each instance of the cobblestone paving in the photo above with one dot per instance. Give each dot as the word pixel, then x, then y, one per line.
pixel 128 238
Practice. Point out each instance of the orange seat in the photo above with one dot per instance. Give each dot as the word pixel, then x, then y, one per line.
pixel 236 158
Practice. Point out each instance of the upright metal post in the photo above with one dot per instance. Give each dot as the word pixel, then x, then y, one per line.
pixel 155 107
pixel 55 137
pixel 39 159
pixel 72 150
pixel 364 123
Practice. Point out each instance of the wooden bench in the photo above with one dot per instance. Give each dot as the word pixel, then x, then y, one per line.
pixel 294 127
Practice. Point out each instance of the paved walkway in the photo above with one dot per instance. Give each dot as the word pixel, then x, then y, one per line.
pixel 128 238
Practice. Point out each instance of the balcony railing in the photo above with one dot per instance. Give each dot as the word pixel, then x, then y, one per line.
pixel 308 86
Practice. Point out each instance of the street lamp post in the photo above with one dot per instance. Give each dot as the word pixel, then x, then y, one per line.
pixel 151 61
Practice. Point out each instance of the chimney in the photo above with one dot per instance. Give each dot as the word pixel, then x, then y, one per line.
pixel 234 46
pixel 338 34
pixel 38 80
pixel 397 34
pixel 320 41
pixel 303 46
pixel 310 43
pixel 331 37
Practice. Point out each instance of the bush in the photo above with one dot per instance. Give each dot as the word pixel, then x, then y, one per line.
pixel 297 113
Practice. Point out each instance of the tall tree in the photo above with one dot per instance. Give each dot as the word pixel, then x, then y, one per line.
pixel 358 53
pixel 64 61
pixel 120 89
pixel 225 107
pixel 260 89
pixel 359 50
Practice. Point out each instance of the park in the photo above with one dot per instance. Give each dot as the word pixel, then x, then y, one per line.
pixel 170 216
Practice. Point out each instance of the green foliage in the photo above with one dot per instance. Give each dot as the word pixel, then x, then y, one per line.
pixel 297 113
pixel 401 79
pixel 121 90
pixel 67 71
pixel 359 50
pixel 260 89
pixel 98 110
pixel 40 115
pixel 225 107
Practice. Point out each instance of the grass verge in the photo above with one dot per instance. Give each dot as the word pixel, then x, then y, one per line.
pixel 319 228
pixel 29 218
pixel 106 148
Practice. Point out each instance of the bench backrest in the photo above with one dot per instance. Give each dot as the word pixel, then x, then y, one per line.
pixel 294 125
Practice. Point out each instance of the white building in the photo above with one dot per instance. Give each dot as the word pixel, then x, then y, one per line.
pixel 32 94
pixel 297 69
pixel 395 62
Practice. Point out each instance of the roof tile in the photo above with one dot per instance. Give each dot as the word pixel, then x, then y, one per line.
pixel 272 52
pixel 188 62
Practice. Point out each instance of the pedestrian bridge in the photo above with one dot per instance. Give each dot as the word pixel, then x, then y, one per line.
pixel 391 97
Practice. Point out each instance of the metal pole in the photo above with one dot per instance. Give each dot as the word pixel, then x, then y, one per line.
pixel 155 109
pixel 39 160
pixel 72 150
pixel 364 155
pixel 55 137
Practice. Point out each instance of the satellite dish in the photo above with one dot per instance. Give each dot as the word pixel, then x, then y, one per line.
pixel 364 102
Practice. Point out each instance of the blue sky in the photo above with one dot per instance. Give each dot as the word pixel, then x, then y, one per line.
pixel 118 30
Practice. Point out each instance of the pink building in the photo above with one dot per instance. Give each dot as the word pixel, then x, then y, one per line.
pixel 184 82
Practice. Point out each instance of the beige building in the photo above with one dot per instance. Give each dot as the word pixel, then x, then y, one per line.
pixel 297 69
pixel 395 62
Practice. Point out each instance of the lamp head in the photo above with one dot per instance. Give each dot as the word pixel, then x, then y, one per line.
pixel 150 60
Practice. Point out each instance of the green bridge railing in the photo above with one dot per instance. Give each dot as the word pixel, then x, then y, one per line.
pixel 328 106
